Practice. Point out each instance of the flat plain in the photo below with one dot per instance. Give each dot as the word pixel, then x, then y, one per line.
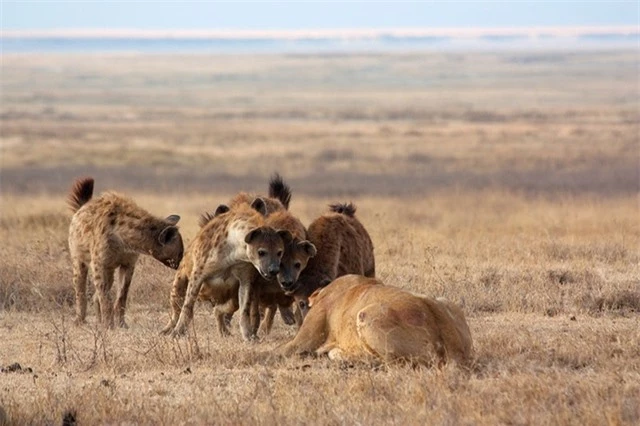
pixel 505 182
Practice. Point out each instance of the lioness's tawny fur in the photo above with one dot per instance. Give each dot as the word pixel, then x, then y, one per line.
pixel 109 233
pixel 359 318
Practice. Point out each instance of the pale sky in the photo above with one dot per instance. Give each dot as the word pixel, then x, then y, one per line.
pixel 189 15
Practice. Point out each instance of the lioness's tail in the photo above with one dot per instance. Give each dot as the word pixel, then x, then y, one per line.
pixel 347 209
pixel 80 194
pixel 280 190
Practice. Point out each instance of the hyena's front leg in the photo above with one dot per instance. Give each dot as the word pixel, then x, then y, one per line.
pixel 103 280
pixel 178 290
pixel 80 272
pixel 287 314
pixel 297 315
pixel 245 300
pixel 125 273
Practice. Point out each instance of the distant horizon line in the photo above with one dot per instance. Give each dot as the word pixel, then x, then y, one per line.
pixel 346 33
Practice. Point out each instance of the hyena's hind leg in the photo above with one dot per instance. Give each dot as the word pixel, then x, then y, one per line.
pixel 125 273
pixel 223 313
pixel 103 280
pixel 267 321
pixel 80 272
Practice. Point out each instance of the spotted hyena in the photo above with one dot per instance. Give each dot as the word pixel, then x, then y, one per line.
pixel 108 233
pixel 223 294
pixel 232 245
pixel 343 247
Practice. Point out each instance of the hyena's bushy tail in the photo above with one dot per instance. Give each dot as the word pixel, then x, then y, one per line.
pixel 347 209
pixel 81 193
pixel 280 190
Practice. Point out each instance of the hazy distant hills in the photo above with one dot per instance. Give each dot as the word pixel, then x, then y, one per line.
pixel 344 40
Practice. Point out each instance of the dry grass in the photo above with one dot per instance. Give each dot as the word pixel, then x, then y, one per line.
pixel 513 193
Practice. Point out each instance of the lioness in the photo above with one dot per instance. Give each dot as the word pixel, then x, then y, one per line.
pixel 359 318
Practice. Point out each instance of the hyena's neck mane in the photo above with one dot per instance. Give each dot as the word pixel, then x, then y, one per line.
pixel 138 229
pixel 323 266
pixel 226 233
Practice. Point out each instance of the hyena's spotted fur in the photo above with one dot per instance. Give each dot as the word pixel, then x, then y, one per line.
pixel 269 291
pixel 232 245
pixel 109 233
pixel 270 296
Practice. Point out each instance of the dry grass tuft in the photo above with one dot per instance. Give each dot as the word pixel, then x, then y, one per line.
pixel 625 302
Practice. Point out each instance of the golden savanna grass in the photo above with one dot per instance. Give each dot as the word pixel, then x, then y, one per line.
pixel 507 183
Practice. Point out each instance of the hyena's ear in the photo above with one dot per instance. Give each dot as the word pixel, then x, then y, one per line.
pixel 173 219
pixel 285 235
pixel 221 209
pixel 259 205
pixel 253 234
pixel 308 248
pixel 167 235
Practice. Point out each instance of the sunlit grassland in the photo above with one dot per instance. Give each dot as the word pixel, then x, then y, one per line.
pixel 507 183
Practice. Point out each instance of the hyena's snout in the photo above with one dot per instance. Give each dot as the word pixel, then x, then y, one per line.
pixel 287 285
pixel 273 269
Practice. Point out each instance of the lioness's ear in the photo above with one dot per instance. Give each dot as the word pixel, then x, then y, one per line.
pixel 308 248
pixel 285 235
pixel 252 235
pixel 221 209
pixel 260 206
pixel 173 219
pixel 167 234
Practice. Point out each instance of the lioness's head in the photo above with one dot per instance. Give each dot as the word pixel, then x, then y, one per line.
pixel 296 255
pixel 265 247
pixel 168 247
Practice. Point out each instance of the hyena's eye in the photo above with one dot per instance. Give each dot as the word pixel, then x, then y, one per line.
pixel 297 265
pixel 262 252
pixel 280 253
pixel 302 304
